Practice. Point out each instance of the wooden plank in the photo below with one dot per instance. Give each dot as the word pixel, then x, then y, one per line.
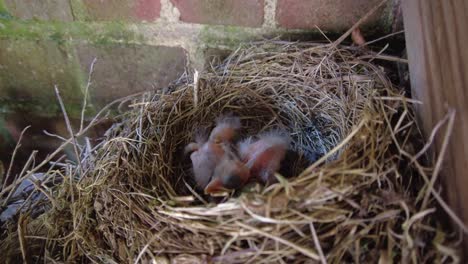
pixel 437 38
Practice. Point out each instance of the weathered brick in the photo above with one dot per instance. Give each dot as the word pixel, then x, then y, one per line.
pixel 333 15
pixel 59 10
pixel 30 69
pixel 147 10
pixel 222 12
pixel 123 10
pixel 123 69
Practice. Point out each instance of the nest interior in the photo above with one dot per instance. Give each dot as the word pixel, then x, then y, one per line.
pixel 356 192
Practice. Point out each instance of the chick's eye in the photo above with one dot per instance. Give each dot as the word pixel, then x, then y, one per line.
pixel 231 181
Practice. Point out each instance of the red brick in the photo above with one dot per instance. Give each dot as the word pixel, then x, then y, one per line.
pixel 147 9
pixel 123 10
pixel 222 12
pixel 333 15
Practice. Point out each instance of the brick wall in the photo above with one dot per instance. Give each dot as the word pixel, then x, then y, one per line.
pixel 140 44
pixel 143 44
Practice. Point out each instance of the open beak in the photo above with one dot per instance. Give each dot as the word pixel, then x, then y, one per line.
pixel 215 187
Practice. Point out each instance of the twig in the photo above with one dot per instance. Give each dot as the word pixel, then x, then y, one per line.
pixel 430 139
pixel 15 185
pixel 357 24
pixel 317 243
pixel 54 135
pixel 440 159
pixel 85 98
pixel 21 237
pixel 384 37
pixel 18 145
pixel 78 159
pixel 153 238
pixel 306 251
pixel 195 89
pixel 70 130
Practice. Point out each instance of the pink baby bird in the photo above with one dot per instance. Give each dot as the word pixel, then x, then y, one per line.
pixel 213 161
pixel 263 156
pixel 230 174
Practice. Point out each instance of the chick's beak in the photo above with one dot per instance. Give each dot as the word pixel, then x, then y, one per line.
pixel 215 186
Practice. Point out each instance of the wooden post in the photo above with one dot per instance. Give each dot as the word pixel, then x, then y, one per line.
pixel 437 45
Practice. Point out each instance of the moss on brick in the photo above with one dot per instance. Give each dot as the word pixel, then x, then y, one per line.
pixel 229 36
pixel 4 14
pixel 30 71
pixel 100 33
pixel 387 19
pixel 79 10
pixel 115 32
pixel 60 36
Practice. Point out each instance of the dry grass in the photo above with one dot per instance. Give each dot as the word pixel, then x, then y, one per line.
pixel 132 197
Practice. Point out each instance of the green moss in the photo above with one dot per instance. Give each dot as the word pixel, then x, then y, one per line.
pixel 98 33
pixel 78 10
pixel 4 14
pixel 387 19
pixel 229 36
pixel 38 107
pixel 115 32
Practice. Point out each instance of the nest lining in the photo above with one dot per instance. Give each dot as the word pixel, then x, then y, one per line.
pixel 354 195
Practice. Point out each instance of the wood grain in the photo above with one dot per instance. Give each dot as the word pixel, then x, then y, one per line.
pixel 437 39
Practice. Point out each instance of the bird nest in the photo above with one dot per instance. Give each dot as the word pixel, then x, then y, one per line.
pixel 356 191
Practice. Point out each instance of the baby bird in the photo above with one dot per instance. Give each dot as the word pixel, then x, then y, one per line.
pixel 225 130
pixel 263 156
pixel 207 155
pixel 230 174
